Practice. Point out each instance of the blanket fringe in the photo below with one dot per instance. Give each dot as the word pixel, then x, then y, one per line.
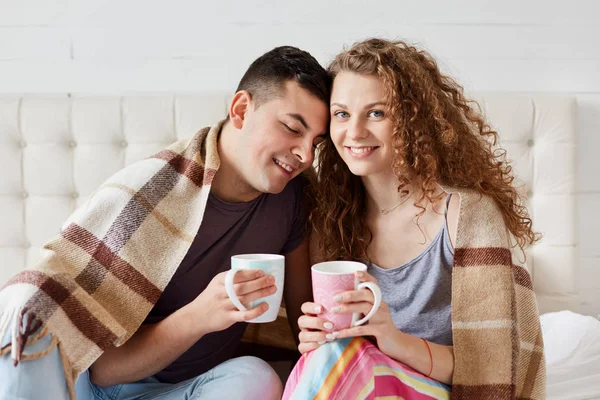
pixel 11 320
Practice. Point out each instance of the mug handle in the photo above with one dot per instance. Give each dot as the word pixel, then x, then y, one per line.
pixel 377 294
pixel 229 277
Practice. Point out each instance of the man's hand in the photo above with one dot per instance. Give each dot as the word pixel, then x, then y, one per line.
pixel 215 311
pixel 145 354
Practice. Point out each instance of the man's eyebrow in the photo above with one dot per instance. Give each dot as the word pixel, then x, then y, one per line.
pixel 299 118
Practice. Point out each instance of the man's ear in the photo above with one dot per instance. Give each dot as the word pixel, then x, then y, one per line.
pixel 239 106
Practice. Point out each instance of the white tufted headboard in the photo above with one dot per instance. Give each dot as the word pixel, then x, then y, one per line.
pixel 54 151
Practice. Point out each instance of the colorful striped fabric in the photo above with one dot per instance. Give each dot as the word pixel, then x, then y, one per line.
pixel 355 368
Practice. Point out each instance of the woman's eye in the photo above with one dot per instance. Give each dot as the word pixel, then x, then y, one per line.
pixel 376 113
pixel 341 114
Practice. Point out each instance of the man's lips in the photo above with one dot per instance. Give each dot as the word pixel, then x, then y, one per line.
pixel 287 167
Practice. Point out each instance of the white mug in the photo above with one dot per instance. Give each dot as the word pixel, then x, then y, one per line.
pixel 270 264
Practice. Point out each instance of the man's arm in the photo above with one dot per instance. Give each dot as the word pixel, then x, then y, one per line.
pixel 149 350
pixel 154 347
pixel 298 285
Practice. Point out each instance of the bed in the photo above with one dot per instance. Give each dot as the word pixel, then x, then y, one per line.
pixel 55 150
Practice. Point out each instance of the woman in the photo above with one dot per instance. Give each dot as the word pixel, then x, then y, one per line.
pixel 410 184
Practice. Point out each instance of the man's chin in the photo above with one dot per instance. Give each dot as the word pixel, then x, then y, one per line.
pixel 275 186
pixel 274 189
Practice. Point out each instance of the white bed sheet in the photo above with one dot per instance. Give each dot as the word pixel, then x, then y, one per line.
pixel 572 344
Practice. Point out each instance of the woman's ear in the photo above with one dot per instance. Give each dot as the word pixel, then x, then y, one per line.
pixel 239 106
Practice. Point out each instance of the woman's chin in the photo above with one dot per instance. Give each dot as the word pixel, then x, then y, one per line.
pixel 359 170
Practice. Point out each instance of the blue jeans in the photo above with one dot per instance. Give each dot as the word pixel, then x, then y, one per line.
pixel 43 378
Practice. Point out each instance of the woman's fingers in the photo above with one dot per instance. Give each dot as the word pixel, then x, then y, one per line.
pixel 310 308
pixel 306 347
pixel 355 296
pixel 314 323
pixel 317 336
pixel 346 308
pixel 365 277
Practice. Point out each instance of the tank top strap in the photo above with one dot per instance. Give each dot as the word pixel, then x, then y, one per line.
pixel 447 205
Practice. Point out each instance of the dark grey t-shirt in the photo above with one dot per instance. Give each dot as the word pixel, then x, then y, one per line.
pixel 271 223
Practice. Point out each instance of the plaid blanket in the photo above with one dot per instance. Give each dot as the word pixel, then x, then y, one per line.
pixel 354 368
pixel 498 345
pixel 114 256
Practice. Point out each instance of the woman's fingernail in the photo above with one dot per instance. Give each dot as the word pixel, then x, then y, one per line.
pixel 337 298
pixel 328 325
pixel 335 334
pixel 330 336
pixel 317 309
pixel 321 343
pixel 359 274
pixel 336 309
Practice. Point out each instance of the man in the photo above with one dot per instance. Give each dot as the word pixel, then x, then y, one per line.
pixel 184 347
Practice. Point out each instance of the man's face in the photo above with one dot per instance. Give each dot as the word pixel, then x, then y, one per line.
pixel 277 141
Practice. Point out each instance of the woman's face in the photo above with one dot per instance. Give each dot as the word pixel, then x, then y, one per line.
pixel 361 128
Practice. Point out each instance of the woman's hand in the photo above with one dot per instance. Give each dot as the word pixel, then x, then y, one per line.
pixel 430 359
pixel 314 331
pixel 380 326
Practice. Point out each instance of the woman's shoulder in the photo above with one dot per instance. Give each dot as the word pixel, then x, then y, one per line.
pixel 479 220
pixel 470 200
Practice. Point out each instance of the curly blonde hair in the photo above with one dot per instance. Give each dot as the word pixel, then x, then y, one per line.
pixel 439 137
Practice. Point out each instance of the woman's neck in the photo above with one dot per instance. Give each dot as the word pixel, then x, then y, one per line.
pixel 382 191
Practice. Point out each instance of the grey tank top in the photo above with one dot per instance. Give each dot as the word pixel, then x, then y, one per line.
pixel 419 292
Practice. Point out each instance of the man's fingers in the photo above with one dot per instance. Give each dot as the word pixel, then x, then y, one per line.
pixel 253 285
pixel 245 275
pixel 242 275
pixel 241 316
pixel 258 294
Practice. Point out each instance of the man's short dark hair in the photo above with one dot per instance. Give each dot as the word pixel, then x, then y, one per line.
pixel 266 77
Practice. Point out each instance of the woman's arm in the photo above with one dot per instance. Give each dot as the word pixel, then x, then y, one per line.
pixel 413 351
pixel 410 350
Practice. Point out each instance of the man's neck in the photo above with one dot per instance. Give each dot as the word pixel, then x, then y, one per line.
pixel 228 184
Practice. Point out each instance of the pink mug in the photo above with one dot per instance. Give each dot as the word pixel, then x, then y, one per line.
pixel 333 277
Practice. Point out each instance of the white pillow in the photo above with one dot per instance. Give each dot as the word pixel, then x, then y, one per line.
pixel 572 344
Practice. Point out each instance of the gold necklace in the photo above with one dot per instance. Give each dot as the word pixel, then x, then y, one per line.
pixel 389 210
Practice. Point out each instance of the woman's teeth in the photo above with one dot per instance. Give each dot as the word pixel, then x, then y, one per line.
pixel 284 166
pixel 360 150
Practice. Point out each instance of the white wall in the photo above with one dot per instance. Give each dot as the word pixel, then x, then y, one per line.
pixel 83 46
